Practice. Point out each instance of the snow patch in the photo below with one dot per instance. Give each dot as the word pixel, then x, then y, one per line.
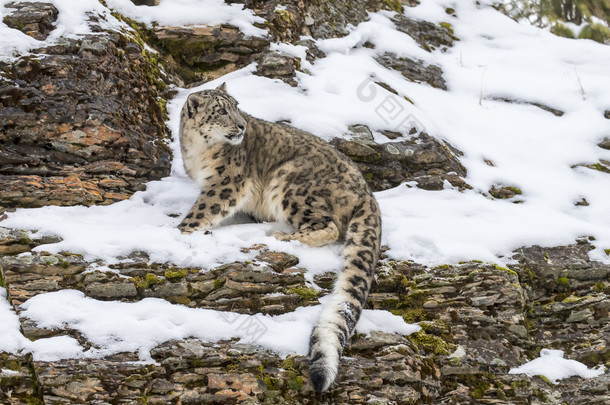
pixel 553 366
pixel 190 12
pixel 114 327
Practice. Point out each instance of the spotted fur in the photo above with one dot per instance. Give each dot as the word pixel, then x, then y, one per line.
pixel 275 172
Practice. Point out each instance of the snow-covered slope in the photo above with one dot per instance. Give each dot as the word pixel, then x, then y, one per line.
pixel 531 149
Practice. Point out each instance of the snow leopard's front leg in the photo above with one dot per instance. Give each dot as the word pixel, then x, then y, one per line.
pixel 214 204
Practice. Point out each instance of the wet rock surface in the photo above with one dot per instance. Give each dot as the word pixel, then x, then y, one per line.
pixel 34 19
pixel 81 122
pixel 478 320
pixel 414 70
pixel 196 54
pixel 429 36
pixel 409 157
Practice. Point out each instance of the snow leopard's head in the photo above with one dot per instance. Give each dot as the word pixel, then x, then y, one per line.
pixel 213 116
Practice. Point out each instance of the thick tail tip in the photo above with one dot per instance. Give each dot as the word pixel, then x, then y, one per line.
pixel 320 377
pixel 324 363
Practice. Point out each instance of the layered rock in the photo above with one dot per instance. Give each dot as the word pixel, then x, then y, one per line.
pixel 478 321
pixel 417 157
pixel 414 70
pixel 196 54
pixel 82 121
pixel 34 19
pixel 429 36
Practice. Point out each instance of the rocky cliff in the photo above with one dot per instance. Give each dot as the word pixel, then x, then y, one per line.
pixel 83 120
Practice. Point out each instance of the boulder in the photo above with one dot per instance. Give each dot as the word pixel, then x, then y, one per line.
pixel 414 70
pixel 196 53
pixel 409 157
pixel 34 19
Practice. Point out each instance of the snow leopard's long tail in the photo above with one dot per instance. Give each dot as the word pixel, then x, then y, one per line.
pixel 340 314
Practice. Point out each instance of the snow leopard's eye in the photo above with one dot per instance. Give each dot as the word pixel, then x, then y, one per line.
pixel 222 111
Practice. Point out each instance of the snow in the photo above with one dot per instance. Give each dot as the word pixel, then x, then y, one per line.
pixel 73 16
pixel 114 327
pixel 11 339
pixel 71 21
pixel 191 12
pixel 553 366
pixel 495 58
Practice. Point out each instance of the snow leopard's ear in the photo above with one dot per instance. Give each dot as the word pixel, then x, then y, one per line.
pixel 192 103
pixel 222 87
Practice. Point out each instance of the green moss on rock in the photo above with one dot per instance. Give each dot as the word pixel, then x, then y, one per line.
pixel 546 380
pixel 447 26
pixel 431 343
pixel 479 391
pixel 143 282
pixel 506 270
pixel 139 282
pixel 571 299
pixel 295 381
pixel 173 273
pixel 152 279
pixel 394 5
pixel 24 240
pixel 599 287
pixel 561 30
pixel 183 300
pixel 454 361
pixel 218 283
pixel 306 293
pixel 274 384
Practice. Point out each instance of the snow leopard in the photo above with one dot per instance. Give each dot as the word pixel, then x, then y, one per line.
pixel 275 172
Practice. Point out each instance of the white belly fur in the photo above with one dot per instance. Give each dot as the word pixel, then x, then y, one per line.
pixel 262 203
